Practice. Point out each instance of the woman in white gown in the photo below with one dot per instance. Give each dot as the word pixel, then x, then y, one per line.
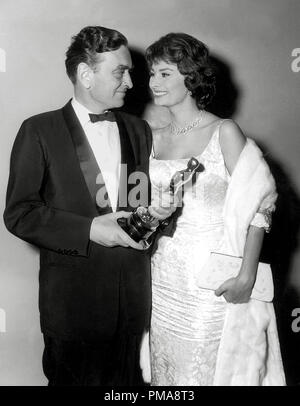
pixel 193 338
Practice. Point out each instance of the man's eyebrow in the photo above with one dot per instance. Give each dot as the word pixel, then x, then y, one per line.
pixel 124 67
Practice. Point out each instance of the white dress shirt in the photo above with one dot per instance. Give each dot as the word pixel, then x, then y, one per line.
pixel 104 139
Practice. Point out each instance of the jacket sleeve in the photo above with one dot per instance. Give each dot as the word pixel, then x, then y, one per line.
pixel 27 214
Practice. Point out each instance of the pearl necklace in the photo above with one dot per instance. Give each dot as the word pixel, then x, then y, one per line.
pixel 175 130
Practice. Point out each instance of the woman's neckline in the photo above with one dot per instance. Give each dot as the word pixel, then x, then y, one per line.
pixel 195 156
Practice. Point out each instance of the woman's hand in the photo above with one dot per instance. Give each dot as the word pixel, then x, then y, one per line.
pixel 165 205
pixel 161 213
pixel 236 290
pixel 239 289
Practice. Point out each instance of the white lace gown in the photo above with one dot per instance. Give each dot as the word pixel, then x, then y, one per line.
pixel 187 321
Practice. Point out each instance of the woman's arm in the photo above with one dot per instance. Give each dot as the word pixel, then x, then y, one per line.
pixel 232 142
pixel 239 289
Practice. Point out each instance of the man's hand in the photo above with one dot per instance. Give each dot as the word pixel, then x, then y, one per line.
pixel 106 231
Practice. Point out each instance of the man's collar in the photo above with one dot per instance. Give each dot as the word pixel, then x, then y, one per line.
pixel 81 112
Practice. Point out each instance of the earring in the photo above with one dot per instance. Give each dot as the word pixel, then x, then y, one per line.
pixel 190 93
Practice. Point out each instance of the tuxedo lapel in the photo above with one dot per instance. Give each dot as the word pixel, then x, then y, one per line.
pixel 88 164
pixel 129 161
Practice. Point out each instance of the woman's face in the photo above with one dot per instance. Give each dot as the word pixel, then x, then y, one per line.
pixel 167 84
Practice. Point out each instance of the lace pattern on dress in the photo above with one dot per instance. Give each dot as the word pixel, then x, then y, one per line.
pixel 187 321
pixel 263 219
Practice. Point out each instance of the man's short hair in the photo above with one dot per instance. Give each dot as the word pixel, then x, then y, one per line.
pixel 88 43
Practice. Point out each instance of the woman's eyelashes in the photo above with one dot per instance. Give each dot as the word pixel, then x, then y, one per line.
pixel 162 74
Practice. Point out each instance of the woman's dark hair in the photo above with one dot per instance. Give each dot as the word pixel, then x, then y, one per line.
pixel 88 43
pixel 192 59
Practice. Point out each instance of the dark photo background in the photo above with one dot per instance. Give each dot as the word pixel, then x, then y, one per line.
pixel 254 44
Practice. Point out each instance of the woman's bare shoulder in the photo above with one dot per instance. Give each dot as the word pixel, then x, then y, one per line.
pixel 231 134
pixel 232 141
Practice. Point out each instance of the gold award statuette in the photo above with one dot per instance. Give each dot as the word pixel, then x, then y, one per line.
pixel 140 225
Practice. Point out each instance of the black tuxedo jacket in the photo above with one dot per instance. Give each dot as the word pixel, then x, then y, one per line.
pixel 86 289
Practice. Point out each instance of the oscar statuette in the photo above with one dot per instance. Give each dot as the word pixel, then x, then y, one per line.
pixel 140 225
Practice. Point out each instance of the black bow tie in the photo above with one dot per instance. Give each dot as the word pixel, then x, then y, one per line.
pixel 108 116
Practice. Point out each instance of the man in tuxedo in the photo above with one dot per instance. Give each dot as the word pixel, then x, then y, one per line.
pixel 68 185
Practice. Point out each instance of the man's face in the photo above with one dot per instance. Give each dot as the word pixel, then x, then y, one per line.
pixel 111 78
